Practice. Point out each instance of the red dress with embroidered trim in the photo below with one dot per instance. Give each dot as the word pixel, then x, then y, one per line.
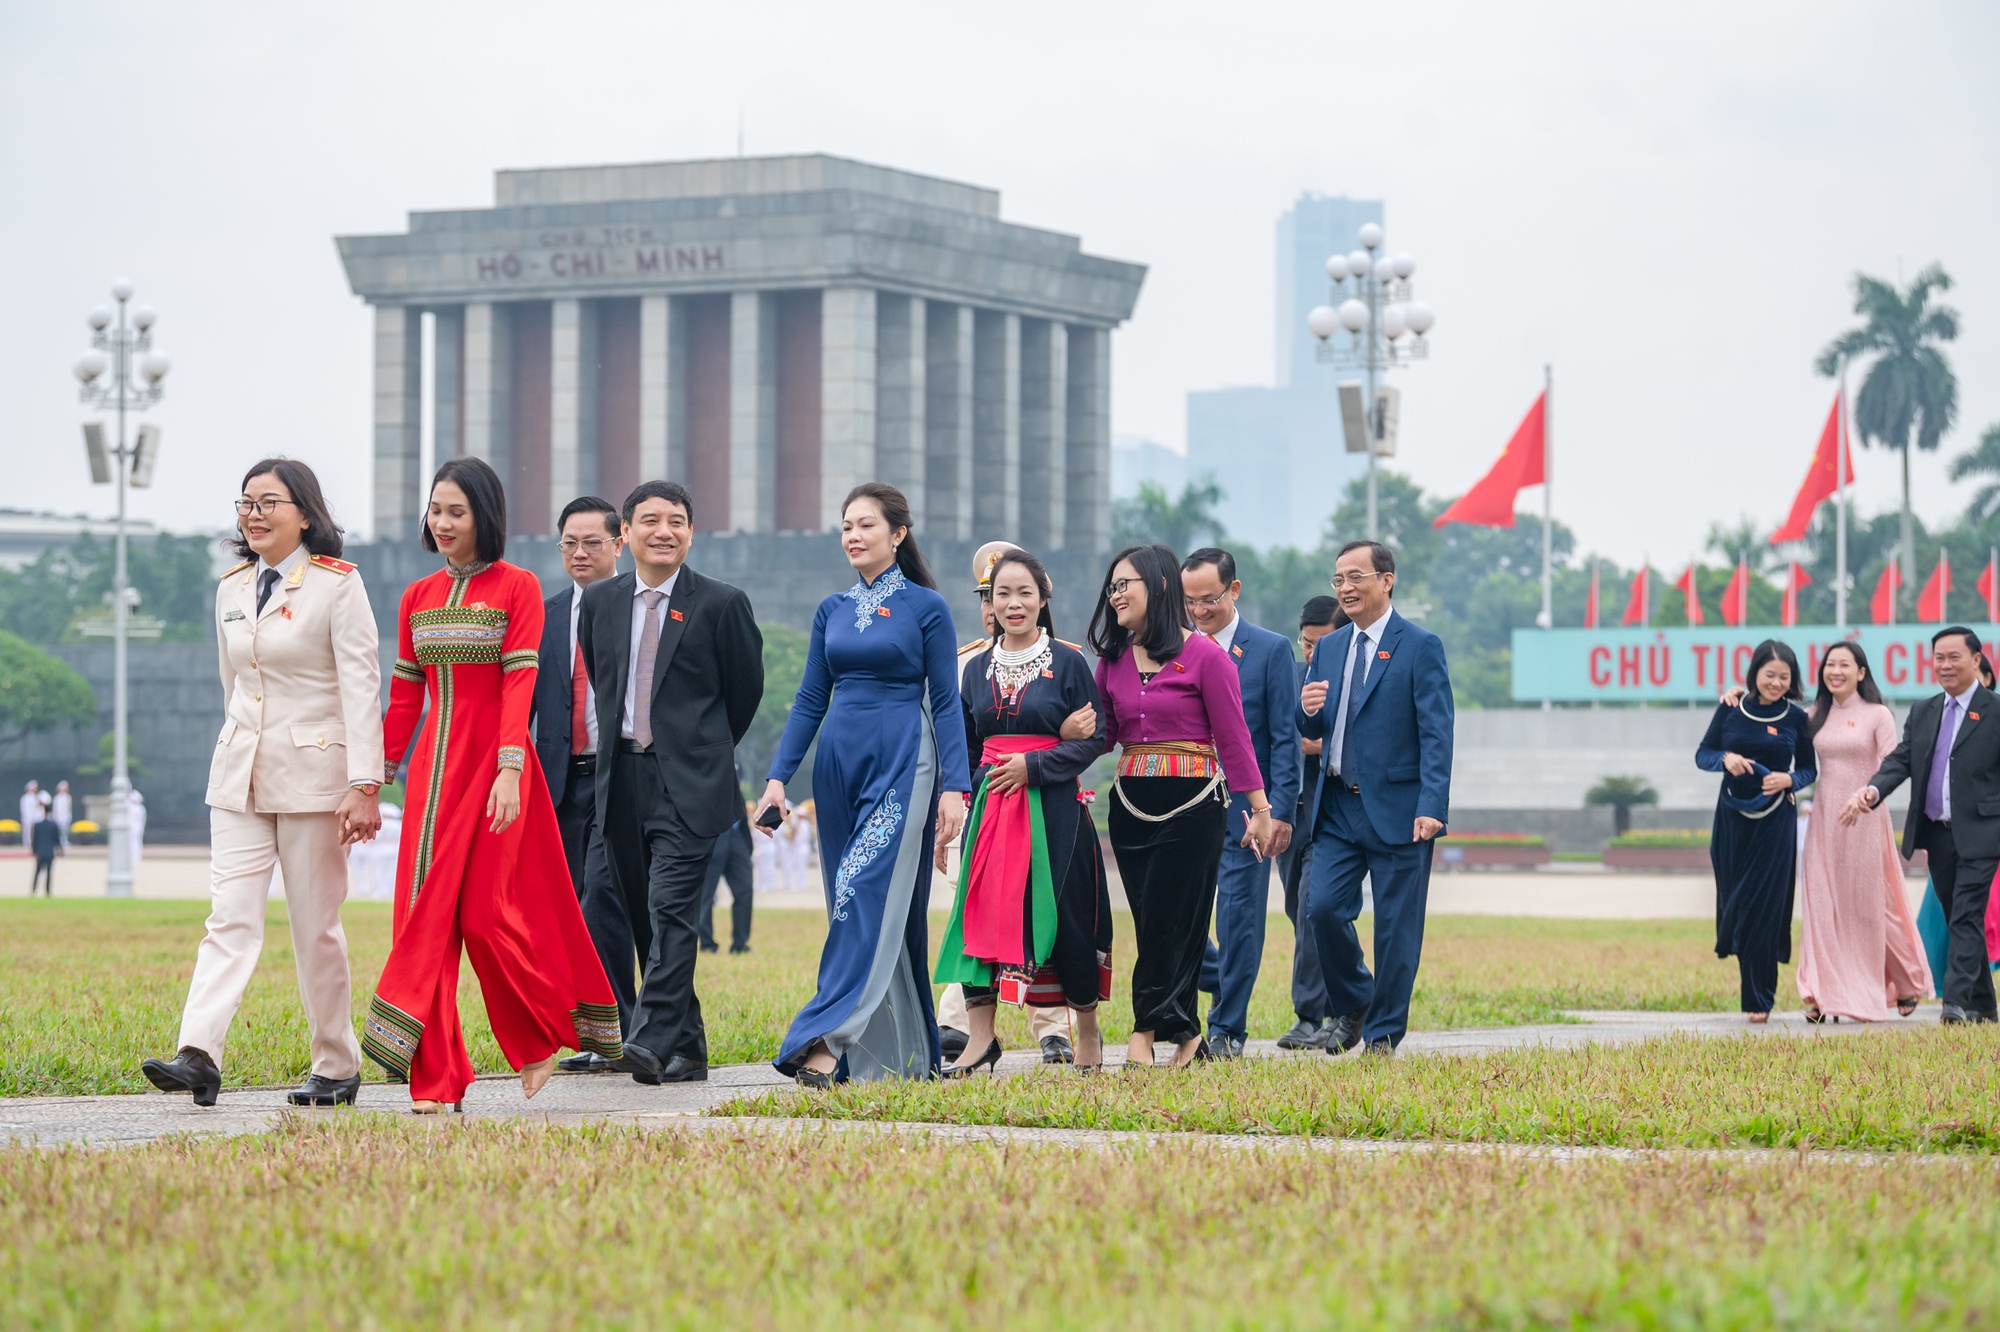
pixel 470 640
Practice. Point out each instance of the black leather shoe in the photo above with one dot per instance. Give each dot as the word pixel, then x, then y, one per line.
pixel 1379 1048
pixel 951 1042
pixel 682 1069
pixel 189 1071
pixel 1304 1036
pixel 739 948
pixel 588 1062
pixel 1224 1047
pixel 1343 1034
pixel 1056 1050
pixel 711 948
pixel 641 1063
pixel 1953 1015
pixel 316 1090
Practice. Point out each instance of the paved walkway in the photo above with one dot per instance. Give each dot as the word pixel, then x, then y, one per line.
pixel 614 1099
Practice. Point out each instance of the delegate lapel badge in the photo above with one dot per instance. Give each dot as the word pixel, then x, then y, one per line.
pixel 675 615
pixel 1383 656
pixel 1237 650
pixel 882 611
pixel 1772 729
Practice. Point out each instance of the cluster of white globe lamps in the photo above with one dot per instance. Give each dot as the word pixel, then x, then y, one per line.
pixel 152 367
pixel 1353 313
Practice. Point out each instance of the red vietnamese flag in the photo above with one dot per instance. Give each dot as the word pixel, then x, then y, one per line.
pixel 1821 481
pixel 1882 606
pixel 1686 585
pixel 1590 605
pixel 1490 502
pixel 1736 597
pixel 1937 591
pixel 1795 582
pixel 1989 588
pixel 1638 603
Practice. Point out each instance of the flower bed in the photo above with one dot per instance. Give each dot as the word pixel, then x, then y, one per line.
pixel 1677 849
pixel 1490 850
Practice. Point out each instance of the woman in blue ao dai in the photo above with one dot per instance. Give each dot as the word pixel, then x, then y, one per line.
pixel 881 693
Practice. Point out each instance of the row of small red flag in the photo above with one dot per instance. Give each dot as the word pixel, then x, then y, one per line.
pixel 1931 602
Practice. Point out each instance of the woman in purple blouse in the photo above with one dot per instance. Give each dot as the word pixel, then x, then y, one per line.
pixel 1172 702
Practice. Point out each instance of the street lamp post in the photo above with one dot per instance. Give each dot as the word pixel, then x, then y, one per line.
pixel 1377 311
pixel 126 353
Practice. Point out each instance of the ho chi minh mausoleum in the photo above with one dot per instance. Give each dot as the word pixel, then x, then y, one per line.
pixel 768 331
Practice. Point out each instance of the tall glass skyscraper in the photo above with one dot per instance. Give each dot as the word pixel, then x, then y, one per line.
pixel 1277 451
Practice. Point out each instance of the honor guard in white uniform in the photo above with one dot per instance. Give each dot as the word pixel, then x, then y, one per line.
pixel 302 727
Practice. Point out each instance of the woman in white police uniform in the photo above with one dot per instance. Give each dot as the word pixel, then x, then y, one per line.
pixel 293 781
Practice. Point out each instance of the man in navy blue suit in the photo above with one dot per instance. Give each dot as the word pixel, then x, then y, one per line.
pixel 1243 881
pixel 1378 695
pixel 1317 618
pixel 566 740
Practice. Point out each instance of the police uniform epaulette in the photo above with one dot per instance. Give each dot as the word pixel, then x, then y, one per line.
pixel 974 645
pixel 234 569
pixel 1077 647
pixel 328 562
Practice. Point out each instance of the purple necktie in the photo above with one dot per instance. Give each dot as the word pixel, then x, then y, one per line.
pixel 1934 787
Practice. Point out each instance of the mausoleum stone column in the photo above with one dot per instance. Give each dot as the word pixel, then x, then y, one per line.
pixel 996 431
pixel 655 388
pixel 488 354
pixel 448 384
pixel 948 421
pixel 848 402
pixel 753 411
pixel 1044 433
pixel 399 390
pixel 899 394
pixel 1088 510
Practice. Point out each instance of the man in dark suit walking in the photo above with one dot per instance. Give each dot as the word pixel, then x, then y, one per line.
pixel 1243 879
pixel 1378 695
pixel 566 740
pixel 1950 756
pixel 1317 618
pixel 677 669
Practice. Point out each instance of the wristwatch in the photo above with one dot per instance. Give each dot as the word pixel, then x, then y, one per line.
pixel 367 788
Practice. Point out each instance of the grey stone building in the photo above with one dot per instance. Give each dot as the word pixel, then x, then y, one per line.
pixel 769 331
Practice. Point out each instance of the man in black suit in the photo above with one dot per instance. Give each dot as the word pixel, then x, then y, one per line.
pixel 1950 755
pixel 1319 617
pixel 565 723
pixel 677 667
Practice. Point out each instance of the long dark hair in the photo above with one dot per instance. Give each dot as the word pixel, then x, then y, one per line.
pixel 1036 571
pixel 1768 651
pixel 1166 606
pixel 896 513
pixel 487 499
pixel 322 535
pixel 1823 700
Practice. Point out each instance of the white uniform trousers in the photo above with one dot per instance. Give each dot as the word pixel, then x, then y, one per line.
pixel 242 850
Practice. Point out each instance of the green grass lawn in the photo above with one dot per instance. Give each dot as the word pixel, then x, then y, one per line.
pixel 1928 1089
pixel 88 989
pixel 481 1224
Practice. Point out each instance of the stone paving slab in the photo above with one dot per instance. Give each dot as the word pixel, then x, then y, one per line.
pixel 607 1098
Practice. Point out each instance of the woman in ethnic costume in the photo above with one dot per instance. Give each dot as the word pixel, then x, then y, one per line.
pixel 1173 703
pixel 1031 891
pixel 1764 748
pixel 881 693
pixel 482 858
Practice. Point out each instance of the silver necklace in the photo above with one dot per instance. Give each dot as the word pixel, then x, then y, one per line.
pixel 1744 708
pixel 1012 670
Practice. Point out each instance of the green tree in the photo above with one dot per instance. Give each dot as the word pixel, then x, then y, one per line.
pixel 1621 793
pixel 1182 525
pixel 1982 461
pixel 785 651
pixel 1910 395
pixel 135 767
pixel 38 692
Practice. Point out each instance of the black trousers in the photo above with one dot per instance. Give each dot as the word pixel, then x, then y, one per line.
pixel 45 876
pixel 731 861
pixel 1309 997
pixel 575 813
pixel 1169 873
pixel 1962 887
pixel 657 868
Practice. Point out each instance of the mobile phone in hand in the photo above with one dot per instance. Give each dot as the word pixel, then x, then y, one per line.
pixel 771 817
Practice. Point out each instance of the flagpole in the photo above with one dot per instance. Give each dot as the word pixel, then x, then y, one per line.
pixel 1993 585
pixel 1548 501
pixel 1840 502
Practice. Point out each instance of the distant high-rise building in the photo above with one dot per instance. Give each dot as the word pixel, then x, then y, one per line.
pixel 1136 461
pixel 1277 452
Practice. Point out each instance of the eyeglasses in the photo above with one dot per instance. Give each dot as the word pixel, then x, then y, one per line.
pixel 569 545
pixel 1208 603
pixel 1346 580
pixel 1116 587
pixel 263 508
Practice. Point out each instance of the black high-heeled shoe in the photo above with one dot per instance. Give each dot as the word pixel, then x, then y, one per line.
pixel 1814 1016
pixel 811 1079
pixel 990 1059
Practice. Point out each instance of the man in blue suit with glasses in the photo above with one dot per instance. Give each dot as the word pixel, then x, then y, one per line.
pixel 1378 696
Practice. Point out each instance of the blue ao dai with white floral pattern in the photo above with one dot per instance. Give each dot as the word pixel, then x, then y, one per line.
pixel 880 671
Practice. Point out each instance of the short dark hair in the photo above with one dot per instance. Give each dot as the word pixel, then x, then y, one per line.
pixel 487 499
pixel 1037 571
pixel 673 492
pixel 1771 650
pixel 1224 562
pixel 589 504
pixel 1379 556
pixel 1318 611
pixel 323 535
pixel 1166 606
pixel 1960 631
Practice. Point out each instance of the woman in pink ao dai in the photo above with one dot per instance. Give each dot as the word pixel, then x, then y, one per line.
pixel 1861 951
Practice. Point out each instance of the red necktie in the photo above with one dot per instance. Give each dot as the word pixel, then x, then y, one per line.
pixel 579 704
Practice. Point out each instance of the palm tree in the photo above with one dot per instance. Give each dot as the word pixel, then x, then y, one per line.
pixel 1910 393
pixel 1983 462
pixel 1179 524
pixel 1621 793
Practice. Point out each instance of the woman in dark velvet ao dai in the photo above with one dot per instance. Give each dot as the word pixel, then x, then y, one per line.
pixel 1764 748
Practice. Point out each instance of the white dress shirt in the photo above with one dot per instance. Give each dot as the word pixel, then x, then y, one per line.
pixel 1955 718
pixel 589 710
pixel 1365 639
pixel 283 567
pixel 1227 635
pixel 638 627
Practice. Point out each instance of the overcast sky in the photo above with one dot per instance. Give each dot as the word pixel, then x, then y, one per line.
pixel 1666 202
